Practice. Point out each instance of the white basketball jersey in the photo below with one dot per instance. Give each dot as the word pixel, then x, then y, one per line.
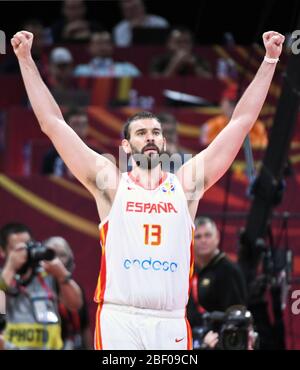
pixel 147 247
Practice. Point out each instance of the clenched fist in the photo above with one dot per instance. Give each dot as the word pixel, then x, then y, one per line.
pixel 273 43
pixel 21 43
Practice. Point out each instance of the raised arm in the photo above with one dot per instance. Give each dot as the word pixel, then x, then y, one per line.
pixel 219 155
pixel 84 163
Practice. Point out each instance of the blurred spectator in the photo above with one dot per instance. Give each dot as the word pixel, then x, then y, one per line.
pixel 226 70
pixel 228 39
pixel 169 127
pixel 74 26
pixel 179 58
pixel 61 79
pixel 52 163
pixel 135 15
pixel 217 283
pixel 102 63
pixel 76 333
pixel 210 129
pixel 33 288
pixel 11 65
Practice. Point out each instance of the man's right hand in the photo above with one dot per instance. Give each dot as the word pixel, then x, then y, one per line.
pixel 21 43
pixel 211 339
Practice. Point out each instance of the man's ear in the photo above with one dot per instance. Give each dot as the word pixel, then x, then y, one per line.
pixel 126 146
pixel 165 145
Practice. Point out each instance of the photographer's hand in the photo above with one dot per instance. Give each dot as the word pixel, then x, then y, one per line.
pixel 211 339
pixel 17 257
pixel 55 268
pixel 70 293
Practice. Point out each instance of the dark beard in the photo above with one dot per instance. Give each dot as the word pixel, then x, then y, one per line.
pixel 144 161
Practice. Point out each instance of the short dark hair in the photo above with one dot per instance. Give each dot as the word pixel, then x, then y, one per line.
pixel 12 228
pixel 74 111
pixel 181 29
pixel 136 117
pixel 200 221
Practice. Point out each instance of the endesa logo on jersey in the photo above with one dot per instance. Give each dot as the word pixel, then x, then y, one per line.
pixel 150 264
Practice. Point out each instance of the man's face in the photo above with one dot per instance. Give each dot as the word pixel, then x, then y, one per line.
pixel 79 123
pixel 62 72
pixel 101 45
pixel 74 10
pixel 15 239
pixel 146 141
pixel 132 8
pixel 206 240
pixel 179 41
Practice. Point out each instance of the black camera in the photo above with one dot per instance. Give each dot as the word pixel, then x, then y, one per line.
pixel 36 252
pixel 2 322
pixel 235 329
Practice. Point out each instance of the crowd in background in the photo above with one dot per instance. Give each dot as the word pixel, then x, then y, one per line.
pixel 62 70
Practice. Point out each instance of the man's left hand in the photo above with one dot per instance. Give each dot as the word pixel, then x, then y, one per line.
pixel 55 268
pixel 273 42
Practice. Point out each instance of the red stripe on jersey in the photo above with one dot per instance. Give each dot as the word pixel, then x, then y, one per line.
pixel 98 337
pixel 189 335
pixel 101 284
pixel 191 273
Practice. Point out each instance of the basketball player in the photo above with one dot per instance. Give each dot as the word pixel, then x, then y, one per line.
pixel 147 215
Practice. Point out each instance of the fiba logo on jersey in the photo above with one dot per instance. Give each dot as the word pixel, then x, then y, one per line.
pixel 2 302
pixel 2 42
pixel 168 187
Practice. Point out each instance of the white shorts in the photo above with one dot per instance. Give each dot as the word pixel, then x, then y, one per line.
pixel 129 328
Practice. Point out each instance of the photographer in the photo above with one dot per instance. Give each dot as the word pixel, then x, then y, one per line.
pixel 230 330
pixel 217 283
pixel 32 319
pixel 75 326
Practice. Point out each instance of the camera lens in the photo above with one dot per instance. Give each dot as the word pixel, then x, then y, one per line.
pixel 235 339
pixel 42 253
